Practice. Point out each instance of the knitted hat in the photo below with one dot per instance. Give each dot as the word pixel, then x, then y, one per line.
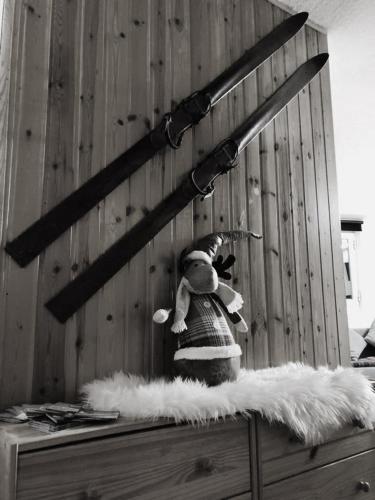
pixel 206 247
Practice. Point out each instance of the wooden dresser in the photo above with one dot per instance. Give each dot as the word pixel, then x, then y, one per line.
pixel 241 459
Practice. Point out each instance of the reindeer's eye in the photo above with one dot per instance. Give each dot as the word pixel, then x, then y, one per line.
pixel 195 265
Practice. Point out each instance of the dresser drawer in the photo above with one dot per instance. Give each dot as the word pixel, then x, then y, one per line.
pixel 171 463
pixel 282 456
pixel 244 496
pixel 352 478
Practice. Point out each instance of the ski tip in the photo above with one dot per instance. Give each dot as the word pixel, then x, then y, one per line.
pixel 301 17
pixel 294 23
pixel 320 59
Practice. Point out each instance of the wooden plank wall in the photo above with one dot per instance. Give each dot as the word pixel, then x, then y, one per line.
pixel 83 81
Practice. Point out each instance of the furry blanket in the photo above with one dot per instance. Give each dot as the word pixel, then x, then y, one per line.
pixel 312 403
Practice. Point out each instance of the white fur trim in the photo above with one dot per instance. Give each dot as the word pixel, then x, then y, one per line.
pixel 314 404
pixel 208 352
pixel 199 255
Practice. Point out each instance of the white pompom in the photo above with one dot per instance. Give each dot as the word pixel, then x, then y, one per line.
pixel 161 315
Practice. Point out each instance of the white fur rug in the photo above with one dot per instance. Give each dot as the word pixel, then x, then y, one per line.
pixel 312 403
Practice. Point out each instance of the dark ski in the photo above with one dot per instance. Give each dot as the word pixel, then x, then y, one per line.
pixel 29 244
pixel 199 182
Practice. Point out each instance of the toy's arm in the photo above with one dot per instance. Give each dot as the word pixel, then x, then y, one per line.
pixel 239 322
pixel 234 317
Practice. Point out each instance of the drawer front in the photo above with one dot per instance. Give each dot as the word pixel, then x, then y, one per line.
pixel 282 456
pixel 244 496
pixel 352 478
pixel 176 462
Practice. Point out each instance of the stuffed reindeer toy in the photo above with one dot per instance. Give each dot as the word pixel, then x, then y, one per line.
pixel 206 350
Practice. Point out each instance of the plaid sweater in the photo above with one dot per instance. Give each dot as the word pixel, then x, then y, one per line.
pixel 207 331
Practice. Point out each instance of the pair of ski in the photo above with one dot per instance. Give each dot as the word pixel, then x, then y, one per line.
pixel 48 228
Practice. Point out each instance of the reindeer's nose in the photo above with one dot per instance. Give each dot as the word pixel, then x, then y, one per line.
pixel 202 277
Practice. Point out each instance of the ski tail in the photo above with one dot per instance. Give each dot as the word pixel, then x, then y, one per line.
pixel 78 291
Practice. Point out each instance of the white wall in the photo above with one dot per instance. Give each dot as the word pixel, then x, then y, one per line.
pixel 352 55
pixel 350 25
pixel 351 38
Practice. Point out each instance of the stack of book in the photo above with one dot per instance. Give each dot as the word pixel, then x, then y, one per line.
pixel 56 417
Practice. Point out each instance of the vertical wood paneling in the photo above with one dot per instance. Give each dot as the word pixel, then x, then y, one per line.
pixel 60 169
pixel 136 345
pixel 258 324
pixel 82 336
pixel 338 270
pixel 323 212
pixel 6 23
pixel 100 74
pixel 182 75
pixel 201 74
pixel 241 274
pixel 94 111
pixel 311 215
pixel 220 59
pixel 25 160
pixel 285 193
pixel 277 352
pixel 305 342
pixel 160 251
pixel 110 315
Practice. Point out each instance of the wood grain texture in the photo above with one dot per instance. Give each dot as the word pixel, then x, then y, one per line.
pixel 100 74
pixel 28 439
pixel 162 275
pixel 178 462
pixel 244 496
pixel 226 459
pixel 8 467
pixel 341 313
pixel 324 222
pixel 285 213
pixel 6 23
pixel 60 166
pixel 201 74
pixel 283 456
pixel 110 316
pixel 183 78
pixel 271 230
pixel 295 49
pixel 82 338
pixel 337 481
pixel 25 172
pixel 238 185
pixel 258 324
pixel 311 215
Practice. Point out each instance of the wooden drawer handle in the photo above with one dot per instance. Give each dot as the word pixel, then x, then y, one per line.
pixel 364 486
pixel 204 465
pixel 92 494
